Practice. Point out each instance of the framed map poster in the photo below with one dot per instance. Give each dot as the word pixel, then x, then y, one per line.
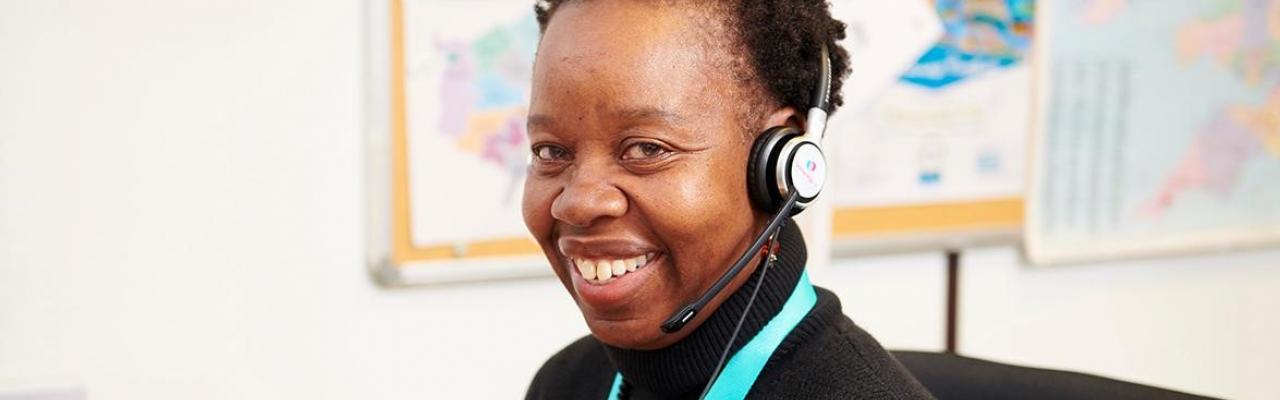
pixel 1159 129
pixel 935 159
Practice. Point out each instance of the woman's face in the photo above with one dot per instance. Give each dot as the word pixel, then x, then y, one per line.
pixel 639 165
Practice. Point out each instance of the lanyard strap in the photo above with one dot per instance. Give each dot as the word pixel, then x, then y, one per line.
pixel 744 367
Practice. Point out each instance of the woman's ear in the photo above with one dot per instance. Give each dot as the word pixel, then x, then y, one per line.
pixel 785 116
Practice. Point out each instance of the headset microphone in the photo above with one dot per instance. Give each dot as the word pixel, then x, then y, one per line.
pixel 785 174
pixel 686 313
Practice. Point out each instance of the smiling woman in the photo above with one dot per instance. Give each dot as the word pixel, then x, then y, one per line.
pixel 642 121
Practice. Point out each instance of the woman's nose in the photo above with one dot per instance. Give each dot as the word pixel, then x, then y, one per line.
pixel 588 198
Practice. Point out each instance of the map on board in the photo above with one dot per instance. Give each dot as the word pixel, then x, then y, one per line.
pixel 467 78
pixel 1161 128
pixel 953 127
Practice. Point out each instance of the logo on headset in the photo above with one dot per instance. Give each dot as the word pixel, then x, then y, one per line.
pixel 808 174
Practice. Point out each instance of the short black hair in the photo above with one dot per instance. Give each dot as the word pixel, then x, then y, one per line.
pixel 782 40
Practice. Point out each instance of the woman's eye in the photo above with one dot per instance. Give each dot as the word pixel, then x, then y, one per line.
pixel 550 153
pixel 641 151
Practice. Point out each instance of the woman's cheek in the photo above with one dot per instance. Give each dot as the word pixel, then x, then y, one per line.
pixel 705 200
pixel 536 207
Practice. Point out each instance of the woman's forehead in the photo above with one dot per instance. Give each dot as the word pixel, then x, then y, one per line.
pixel 625 52
pixel 629 31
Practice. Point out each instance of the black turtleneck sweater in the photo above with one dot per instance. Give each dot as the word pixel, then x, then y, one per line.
pixel 826 356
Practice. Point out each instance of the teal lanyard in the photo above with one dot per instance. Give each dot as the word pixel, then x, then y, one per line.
pixel 744 367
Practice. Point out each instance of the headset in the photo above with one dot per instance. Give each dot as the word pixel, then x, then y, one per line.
pixel 785 173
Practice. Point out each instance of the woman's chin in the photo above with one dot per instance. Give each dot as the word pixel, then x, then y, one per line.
pixel 635 334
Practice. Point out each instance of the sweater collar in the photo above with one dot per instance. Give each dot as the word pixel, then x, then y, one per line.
pixel 683 369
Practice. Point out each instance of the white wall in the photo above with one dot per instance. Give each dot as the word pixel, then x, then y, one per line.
pixel 899 299
pixel 181 216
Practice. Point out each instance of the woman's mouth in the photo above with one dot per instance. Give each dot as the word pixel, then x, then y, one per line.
pixel 605 271
pixel 612 282
pixel 610 274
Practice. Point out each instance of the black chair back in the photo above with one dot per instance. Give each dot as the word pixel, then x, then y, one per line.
pixel 950 376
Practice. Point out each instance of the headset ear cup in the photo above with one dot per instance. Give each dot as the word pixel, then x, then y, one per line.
pixel 762 165
pixel 755 177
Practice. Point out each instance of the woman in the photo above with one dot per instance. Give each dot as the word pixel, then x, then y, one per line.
pixel 642 119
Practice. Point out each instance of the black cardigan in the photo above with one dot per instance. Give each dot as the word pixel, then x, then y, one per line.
pixel 826 356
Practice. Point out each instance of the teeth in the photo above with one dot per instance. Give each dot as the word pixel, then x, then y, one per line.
pixel 604 270
pixel 587 268
pixel 600 271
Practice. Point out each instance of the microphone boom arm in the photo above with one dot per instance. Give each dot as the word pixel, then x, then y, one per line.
pixel 678 320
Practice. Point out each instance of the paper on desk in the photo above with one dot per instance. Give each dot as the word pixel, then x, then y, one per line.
pixel 885 37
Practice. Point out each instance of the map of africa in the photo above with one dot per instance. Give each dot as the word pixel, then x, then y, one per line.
pixel 467 81
pixel 1161 128
pixel 483 94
